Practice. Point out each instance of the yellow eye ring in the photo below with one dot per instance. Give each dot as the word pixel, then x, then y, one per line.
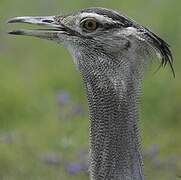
pixel 89 24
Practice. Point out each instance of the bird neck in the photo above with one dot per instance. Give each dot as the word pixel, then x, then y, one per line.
pixel 114 134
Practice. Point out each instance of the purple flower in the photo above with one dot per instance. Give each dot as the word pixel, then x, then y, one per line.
pixel 152 151
pixel 157 163
pixel 78 109
pixel 83 153
pixel 8 138
pixel 51 159
pixel 63 98
pixel 74 168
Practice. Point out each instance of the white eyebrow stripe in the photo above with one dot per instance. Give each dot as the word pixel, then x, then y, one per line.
pixel 102 18
pixel 132 31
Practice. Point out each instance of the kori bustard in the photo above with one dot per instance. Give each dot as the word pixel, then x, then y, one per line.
pixel 110 51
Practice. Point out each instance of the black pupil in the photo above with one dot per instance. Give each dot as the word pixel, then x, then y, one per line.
pixel 90 24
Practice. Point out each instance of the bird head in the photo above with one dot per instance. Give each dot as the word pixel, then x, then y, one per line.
pixel 99 37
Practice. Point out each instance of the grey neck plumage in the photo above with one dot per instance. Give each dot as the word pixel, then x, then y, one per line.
pixel 115 153
pixel 113 92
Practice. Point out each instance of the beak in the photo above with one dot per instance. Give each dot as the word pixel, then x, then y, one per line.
pixel 49 21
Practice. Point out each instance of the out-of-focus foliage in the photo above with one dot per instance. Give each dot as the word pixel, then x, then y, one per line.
pixel 43 109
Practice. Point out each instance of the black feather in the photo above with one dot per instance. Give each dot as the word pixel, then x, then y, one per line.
pixel 161 46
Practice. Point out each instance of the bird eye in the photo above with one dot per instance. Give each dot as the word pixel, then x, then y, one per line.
pixel 89 24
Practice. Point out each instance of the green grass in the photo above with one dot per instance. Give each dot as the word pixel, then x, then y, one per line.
pixel 33 72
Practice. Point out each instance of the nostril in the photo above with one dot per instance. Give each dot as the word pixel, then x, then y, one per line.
pixel 47 21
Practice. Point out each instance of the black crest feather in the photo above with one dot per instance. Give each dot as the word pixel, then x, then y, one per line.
pixel 160 46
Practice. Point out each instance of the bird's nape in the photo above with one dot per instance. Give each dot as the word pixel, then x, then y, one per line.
pixel 161 48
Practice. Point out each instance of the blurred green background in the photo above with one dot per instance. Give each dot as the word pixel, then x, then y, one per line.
pixel 44 127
